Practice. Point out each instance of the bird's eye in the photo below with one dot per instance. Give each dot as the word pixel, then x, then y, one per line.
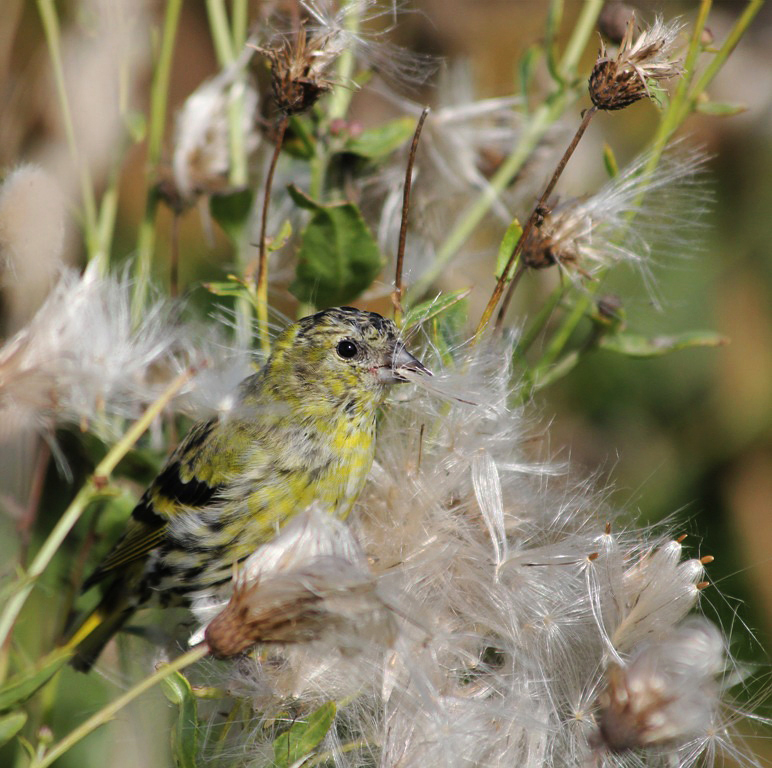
pixel 347 349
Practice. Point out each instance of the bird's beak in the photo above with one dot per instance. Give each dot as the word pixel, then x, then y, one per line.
pixel 401 362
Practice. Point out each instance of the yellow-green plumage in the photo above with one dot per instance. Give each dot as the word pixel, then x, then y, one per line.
pixel 301 431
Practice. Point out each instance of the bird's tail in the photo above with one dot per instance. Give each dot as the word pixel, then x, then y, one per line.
pixel 90 638
pixel 90 633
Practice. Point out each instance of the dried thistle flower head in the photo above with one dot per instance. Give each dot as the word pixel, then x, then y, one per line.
pixel 666 693
pixel 297 70
pixel 325 597
pixel 635 218
pixel 616 82
pixel 312 582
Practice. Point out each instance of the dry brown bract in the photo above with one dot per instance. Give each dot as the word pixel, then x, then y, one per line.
pixel 616 82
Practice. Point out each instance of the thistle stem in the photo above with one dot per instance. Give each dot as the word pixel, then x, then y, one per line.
pixel 159 93
pixel 50 21
pixel 262 264
pixel 540 121
pixel 107 713
pixel 396 296
pixel 536 214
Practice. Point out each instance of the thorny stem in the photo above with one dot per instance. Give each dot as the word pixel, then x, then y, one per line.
pixel 262 264
pixel 396 296
pixel 535 216
pixel 158 102
pixel 86 494
pixel 50 21
pixel 107 713
pixel 540 121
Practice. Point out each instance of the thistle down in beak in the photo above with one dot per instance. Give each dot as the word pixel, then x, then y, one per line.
pixel 401 361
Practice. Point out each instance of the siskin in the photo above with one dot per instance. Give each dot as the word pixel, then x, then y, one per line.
pixel 302 431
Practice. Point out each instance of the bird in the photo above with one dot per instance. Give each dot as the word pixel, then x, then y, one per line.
pixel 301 431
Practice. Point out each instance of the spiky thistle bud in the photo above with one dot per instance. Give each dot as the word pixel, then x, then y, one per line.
pixel 621 80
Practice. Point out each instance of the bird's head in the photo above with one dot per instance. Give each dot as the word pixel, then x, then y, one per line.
pixel 341 353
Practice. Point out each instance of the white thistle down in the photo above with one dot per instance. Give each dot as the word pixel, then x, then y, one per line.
pixel 202 155
pixel 516 594
pixel 635 218
pixel 82 359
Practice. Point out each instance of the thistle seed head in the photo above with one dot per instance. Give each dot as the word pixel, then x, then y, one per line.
pixel 616 82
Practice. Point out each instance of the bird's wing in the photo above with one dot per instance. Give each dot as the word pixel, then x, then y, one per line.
pixel 177 487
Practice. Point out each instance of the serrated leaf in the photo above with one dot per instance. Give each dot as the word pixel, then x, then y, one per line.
pixel 231 212
pixel 184 735
pixel 302 200
pixel 338 257
pixel 508 243
pixel 25 684
pixel 10 725
pixel 634 345
pixel 427 310
pixel 303 736
pixel 377 143
pixel 720 109
pixel 610 161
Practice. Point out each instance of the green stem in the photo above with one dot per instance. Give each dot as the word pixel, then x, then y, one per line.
pixel 341 96
pixel 107 713
pixel 159 93
pixel 537 126
pixel 734 37
pixel 680 107
pixel 221 35
pixel 239 23
pixel 73 512
pixel 50 22
pixel 539 321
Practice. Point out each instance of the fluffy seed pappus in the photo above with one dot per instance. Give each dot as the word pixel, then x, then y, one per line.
pixel 301 432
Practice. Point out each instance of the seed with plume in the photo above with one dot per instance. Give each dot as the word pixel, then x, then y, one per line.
pixel 621 80
pixel 666 693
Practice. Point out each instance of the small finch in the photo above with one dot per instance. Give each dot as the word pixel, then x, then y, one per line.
pixel 302 431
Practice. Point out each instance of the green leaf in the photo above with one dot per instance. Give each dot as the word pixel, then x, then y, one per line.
pixel 299 139
pixel 10 725
pixel 302 200
pixel 303 736
pixel 136 125
pixel 554 18
pixel 184 735
pixel 279 240
pixel 508 243
pixel 528 62
pixel 23 685
pixel 634 345
pixel 231 212
pixel 426 310
pixel 719 109
pixel 377 143
pixel 338 258
pixel 610 161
